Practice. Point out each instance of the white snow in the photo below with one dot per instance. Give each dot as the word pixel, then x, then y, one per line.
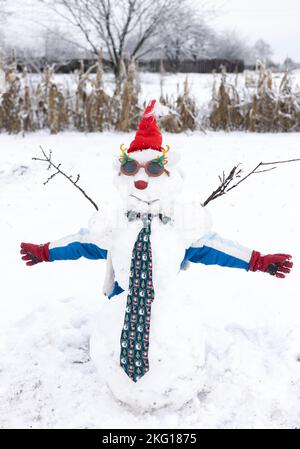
pixel 47 312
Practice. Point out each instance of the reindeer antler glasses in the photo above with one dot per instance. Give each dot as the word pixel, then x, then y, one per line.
pixel 153 168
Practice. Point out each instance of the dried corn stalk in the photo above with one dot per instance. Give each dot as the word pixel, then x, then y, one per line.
pixel 263 107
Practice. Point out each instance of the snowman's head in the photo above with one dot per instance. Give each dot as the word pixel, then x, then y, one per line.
pixel 146 172
pixel 147 176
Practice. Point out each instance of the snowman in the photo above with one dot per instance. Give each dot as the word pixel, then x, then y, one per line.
pixel 148 343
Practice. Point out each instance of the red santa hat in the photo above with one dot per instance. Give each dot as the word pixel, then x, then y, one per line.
pixel 148 135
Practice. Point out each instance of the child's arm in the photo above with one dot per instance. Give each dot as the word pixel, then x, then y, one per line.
pixel 69 248
pixel 214 250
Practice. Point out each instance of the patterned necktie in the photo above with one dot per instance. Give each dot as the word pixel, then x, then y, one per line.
pixel 136 329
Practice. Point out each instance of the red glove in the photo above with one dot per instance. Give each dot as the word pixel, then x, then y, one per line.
pixel 35 253
pixel 275 264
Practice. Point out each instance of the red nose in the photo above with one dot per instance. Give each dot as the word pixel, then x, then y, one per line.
pixel 141 185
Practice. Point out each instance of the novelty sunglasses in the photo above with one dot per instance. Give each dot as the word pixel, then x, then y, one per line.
pixel 153 168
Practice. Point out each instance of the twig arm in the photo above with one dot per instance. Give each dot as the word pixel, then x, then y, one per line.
pixel 48 159
pixel 227 182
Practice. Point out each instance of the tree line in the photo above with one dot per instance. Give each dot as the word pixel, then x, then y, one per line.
pixel 172 30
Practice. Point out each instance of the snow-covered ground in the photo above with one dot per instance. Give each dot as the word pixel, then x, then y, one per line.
pixel 252 371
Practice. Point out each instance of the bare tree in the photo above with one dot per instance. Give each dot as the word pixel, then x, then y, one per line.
pixel 54 50
pixel 111 24
pixel 188 35
pixel 262 51
pixel 289 64
pixel 229 45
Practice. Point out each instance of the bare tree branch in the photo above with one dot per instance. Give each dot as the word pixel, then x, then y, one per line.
pixel 131 6
pixel 48 159
pixel 121 27
pixel 235 173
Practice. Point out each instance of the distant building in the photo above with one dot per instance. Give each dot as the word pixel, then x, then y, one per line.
pixel 149 65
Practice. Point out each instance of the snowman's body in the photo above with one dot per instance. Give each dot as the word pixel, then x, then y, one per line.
pixel 176 351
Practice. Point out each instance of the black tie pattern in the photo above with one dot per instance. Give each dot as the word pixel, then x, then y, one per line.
pixel 136 330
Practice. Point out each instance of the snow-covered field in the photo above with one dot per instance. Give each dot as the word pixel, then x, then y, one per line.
pixel 252 320
pixel 200 84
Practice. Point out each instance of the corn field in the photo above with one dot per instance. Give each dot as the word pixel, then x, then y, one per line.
pixel 257 106
pixel 25 108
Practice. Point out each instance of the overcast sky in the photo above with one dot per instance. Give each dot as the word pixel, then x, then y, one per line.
pixel 276 21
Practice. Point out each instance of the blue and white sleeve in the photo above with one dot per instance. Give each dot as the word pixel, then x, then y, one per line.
pixel 75 246
pixel 212 249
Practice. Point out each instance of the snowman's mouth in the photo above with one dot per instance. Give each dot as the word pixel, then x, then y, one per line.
pixel 143 201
